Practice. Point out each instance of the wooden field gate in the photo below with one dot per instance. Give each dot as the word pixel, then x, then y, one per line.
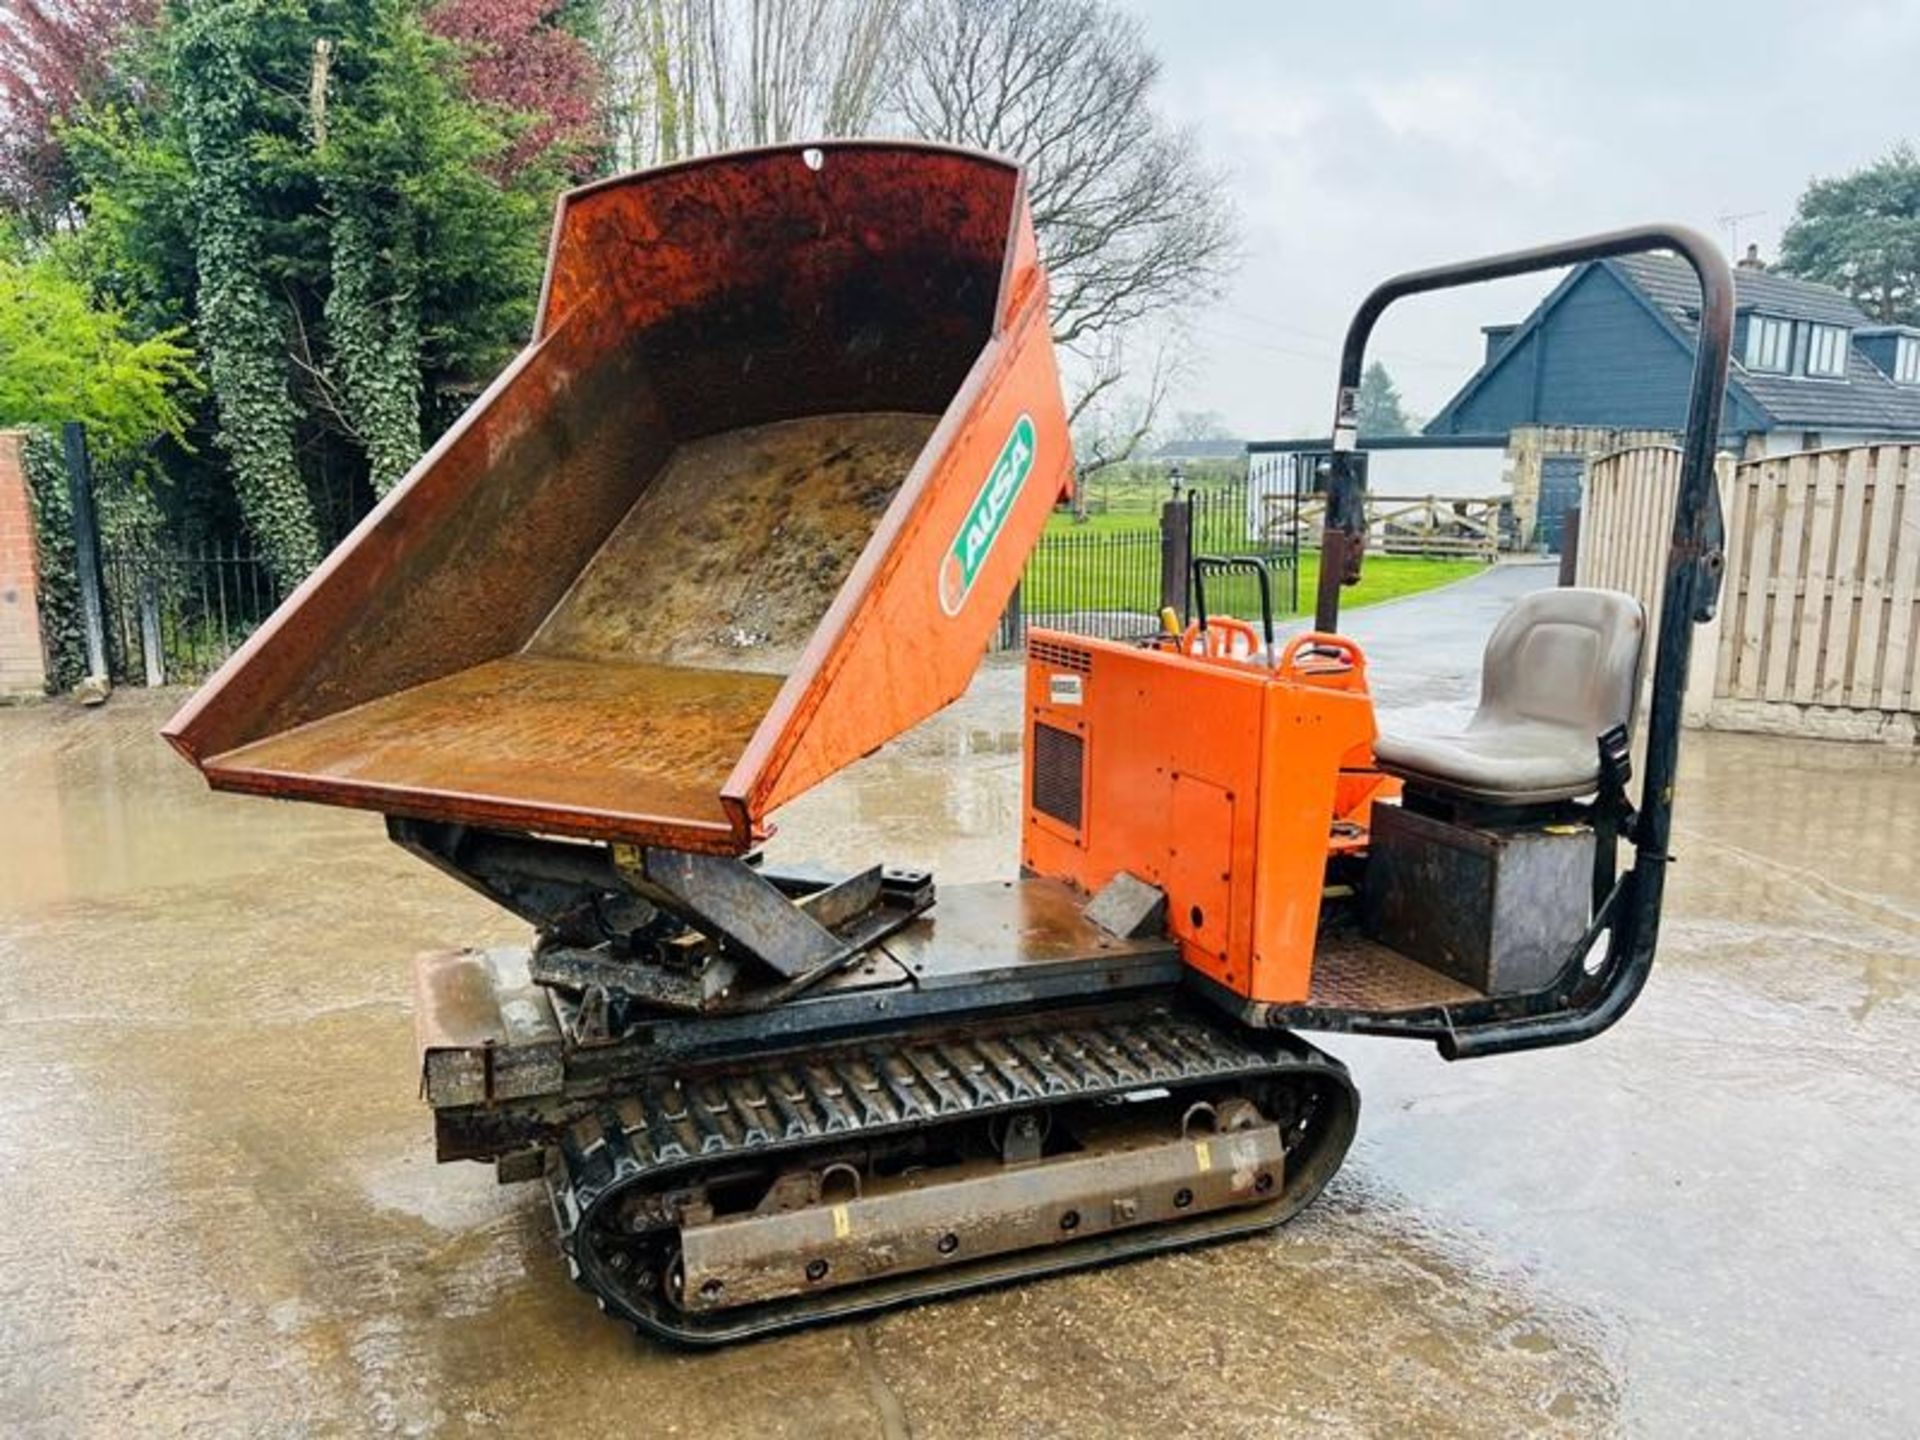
pixel 1819 621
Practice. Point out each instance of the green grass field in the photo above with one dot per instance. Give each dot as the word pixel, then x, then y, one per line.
pixel 1388 577
pixel 1112 562
pixel 1138 489
pixel 1112 522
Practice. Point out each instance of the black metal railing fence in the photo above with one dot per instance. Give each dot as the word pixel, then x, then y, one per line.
pixel 174 611
pixel 1110 577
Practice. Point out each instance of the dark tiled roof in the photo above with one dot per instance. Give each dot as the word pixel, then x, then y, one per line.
pixel 1866 400
pixel 1199 450
pixel 1669 282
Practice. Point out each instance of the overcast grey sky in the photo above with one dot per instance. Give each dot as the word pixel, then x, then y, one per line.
pixel 1364 139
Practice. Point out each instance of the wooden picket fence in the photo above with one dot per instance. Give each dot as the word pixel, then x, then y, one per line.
pixel 1819 619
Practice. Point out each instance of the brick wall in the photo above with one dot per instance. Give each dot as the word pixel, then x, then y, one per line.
pixel 23 661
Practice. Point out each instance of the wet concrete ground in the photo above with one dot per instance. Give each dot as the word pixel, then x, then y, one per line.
pixel 219 1213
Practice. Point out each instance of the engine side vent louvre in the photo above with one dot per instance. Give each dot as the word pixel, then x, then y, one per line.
pixel 1061 657
pixel 1059 760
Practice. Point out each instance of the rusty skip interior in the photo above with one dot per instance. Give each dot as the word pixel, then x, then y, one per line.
pixel 581 607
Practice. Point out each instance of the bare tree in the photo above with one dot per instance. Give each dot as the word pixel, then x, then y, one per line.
pixel 1132 223
pixel 1200 425
pixel 688 77
pixel 1110 426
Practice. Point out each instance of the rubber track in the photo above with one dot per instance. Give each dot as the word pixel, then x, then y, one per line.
pixel 669 1131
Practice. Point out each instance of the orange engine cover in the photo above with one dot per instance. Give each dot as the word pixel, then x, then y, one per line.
pixel 1218 780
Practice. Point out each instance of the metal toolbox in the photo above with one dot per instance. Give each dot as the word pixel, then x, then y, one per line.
pixel 1498 907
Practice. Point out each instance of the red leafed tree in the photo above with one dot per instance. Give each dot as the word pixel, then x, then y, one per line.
pixel 52 52
pixel 519 58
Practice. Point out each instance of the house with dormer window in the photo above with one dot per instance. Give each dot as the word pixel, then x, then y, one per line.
pixel 1603 361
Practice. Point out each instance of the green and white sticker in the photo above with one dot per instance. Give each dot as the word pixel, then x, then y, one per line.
pixel 986 517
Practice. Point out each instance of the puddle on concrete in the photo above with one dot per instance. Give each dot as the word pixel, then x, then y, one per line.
pixel 1357 1319
pixel 222 1217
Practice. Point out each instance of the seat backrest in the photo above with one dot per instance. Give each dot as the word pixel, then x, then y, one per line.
pixel 1566 657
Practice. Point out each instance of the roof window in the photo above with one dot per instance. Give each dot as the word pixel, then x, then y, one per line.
pixel 1827 351
pixel 1769 344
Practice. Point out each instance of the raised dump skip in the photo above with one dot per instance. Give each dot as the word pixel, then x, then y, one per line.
pixel 749 505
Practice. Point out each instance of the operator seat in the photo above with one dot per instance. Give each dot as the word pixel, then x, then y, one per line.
pixel 1561 669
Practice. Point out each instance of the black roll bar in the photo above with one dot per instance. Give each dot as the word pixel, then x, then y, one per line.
pixel 1580 1003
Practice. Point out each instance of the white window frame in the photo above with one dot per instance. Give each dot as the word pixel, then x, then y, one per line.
pixel 1827 351
pixel 1769 345
pixel 1906 360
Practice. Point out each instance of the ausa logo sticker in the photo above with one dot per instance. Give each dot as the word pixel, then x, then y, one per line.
pixel 985 518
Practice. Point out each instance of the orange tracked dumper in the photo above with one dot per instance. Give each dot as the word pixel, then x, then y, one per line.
pixel 749 505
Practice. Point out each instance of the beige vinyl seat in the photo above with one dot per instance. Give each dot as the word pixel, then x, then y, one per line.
pixel 1561 669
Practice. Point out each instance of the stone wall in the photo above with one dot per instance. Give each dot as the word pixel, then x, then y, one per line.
pixel 23 660
pixel 1528 445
